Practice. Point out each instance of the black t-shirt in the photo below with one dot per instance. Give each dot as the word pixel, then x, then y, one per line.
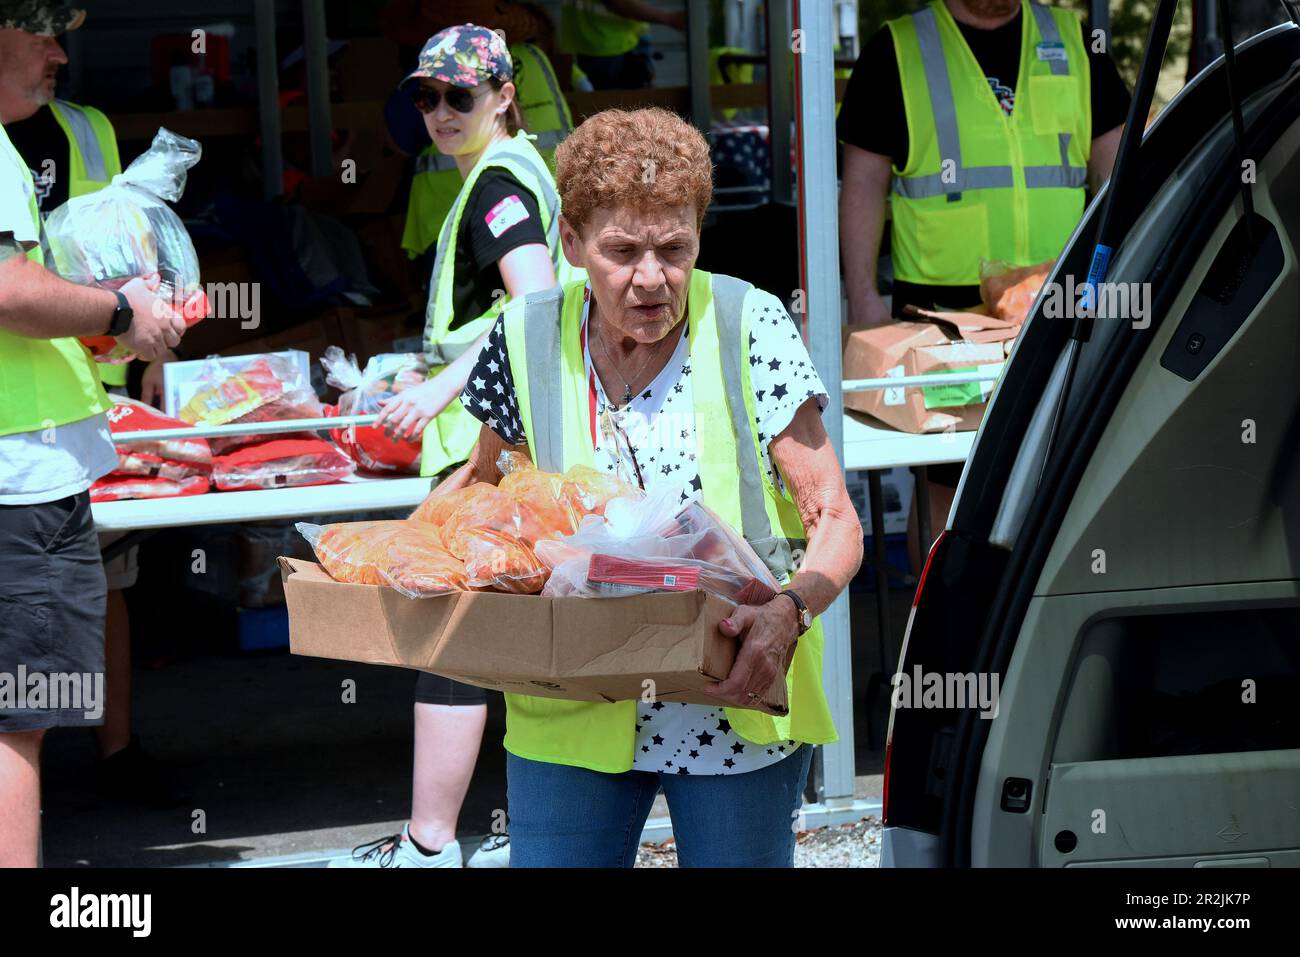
pixel 501 216
pixel 37 139
pixel 874 118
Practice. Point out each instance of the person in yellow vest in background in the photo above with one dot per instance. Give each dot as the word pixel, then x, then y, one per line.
pixel 608 39
pixel 437 181
pixel 54 443
pixel 71 150
pixel 981 122
pixel 499 242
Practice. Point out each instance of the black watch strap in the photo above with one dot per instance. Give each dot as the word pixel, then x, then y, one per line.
pixel 122 316
pixel 801 609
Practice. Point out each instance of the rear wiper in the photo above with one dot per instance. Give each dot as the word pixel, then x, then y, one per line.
pixel 1121 185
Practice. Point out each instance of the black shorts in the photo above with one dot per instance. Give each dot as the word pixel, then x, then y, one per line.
pixel 435 689
pixel 52 596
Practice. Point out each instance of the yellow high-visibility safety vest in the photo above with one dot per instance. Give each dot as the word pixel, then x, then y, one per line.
pixel 449 438
pixel 587 28
pixel 545 353
pixel 93 161
pixel 977 184
pixel 43 382
pixel 437 180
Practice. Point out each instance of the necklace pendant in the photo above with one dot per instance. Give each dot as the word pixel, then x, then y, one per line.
pixel 627 396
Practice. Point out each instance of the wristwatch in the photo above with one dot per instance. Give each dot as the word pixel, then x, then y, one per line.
pixel 122 316
pixel 804 615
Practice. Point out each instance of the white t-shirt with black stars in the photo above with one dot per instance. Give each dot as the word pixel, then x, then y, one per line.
pixel 655 435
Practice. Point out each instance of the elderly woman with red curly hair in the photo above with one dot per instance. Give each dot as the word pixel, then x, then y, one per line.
pixel 666 375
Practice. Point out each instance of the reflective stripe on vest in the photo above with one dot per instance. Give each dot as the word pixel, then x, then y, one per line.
pixel 87 143
pixel 94 163
pixel 518 157
pixel 93 143
pixel 979 183
pixel 546 363
pixel 962 178
pixel 548 405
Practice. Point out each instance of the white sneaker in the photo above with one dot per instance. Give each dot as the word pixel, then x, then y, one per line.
pixel 493 851
pixel 398 851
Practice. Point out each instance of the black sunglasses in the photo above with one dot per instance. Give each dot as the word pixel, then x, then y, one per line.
pixel 461 100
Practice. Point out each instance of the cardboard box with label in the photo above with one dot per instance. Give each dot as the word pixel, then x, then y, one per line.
pixel 584 649
pixel 928 343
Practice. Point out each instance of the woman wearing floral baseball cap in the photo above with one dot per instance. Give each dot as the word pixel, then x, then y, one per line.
pixel 500 240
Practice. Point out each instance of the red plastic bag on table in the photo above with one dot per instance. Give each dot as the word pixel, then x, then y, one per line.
pixel 131 415
pixel 405 555
pixel 117 488
pixel 362 392
pixel 281 463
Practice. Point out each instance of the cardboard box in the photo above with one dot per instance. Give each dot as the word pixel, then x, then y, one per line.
pixel 583 649
pixel 936 342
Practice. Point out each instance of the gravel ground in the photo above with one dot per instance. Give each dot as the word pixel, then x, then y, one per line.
pixel 849 845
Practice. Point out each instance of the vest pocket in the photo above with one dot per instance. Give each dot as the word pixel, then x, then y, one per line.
pixel 951 241
pixel 1053 107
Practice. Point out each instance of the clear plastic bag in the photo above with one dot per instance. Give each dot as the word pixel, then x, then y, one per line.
pixel 497 530
pixel 127 230
pixel 384 376
pixel 404 555
pixel 271 389
pixel 661 539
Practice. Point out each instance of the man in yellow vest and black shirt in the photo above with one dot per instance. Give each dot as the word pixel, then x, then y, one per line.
pixel 54 443
pixel 980 122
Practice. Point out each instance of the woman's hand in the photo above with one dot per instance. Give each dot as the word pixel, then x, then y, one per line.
pixel 767 636
pixel 405 415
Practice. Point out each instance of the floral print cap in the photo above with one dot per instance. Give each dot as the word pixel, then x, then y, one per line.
pixel 464 56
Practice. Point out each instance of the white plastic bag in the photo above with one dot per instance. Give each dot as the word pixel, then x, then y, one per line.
pixel 127 230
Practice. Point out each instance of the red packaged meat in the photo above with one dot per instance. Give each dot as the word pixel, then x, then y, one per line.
pixel 131 415
pixel 117 488
pixel 362 393
pixel 281 463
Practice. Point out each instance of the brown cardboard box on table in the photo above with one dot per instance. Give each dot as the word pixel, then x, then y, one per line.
pixel 584 649
pixel 935 342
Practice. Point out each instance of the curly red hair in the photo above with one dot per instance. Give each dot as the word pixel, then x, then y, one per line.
pixel 643 159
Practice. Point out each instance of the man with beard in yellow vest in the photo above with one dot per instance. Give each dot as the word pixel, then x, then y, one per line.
pixel 71 151
pixel 54 442
pixel 980 122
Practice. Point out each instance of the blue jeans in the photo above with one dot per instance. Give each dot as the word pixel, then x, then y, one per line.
pixel 562 816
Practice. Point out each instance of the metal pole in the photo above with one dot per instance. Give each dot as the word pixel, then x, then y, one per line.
pixel 779 103
pixel 315 48
pixel 268 99
pixel 1099 16
pixel 697 38
pixel 820 271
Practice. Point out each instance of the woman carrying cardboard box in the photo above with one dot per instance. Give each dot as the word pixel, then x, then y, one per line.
pixel 666 375
pixel 500 241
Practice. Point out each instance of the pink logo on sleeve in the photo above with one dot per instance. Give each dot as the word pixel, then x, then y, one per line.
pixel 511 211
